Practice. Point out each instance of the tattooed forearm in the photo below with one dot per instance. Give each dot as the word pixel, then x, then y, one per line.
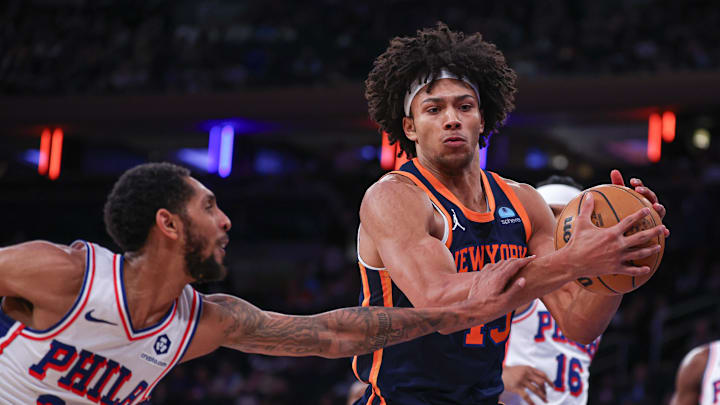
pixel 384 328
pixel 340 333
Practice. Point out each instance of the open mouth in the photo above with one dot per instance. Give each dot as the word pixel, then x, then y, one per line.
pixel 222 244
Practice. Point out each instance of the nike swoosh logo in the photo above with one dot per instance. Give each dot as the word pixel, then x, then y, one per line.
pixel 89 317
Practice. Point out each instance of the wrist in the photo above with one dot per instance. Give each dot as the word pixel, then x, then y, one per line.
pixel 565 260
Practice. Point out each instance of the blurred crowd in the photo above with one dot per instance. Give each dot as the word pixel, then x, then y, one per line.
pixel 108 47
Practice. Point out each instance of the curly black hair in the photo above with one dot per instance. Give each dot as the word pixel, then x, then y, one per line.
pixel 136 197
pixel 424 55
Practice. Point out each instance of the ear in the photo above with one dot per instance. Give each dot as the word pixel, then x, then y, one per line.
pixel 168 223
pixel 409 128
pixel 482 121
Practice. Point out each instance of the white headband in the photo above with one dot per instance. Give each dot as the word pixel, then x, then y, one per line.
pixel 419 83
pixel 559 194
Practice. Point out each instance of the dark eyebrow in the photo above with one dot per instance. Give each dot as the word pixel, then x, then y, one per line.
pixel 210 198
pixel 439 99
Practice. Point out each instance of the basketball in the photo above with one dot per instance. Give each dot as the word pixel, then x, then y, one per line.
pixel 612 204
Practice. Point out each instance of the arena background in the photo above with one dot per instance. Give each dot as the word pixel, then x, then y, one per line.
pixel 120 83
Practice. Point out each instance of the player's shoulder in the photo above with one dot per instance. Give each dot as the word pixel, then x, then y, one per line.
pixel 43 254
pixel 527 194
pixel 395 203
pixel 697 357
pixel 41 271
pixel 393 189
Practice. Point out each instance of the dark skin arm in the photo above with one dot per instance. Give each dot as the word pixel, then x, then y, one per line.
pixel 29 274
pixel 235 323
pixel 688 383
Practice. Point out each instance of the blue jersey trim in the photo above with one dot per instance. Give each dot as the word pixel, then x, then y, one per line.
pixel 125 307
pixel 6 323
pixel 192 334
pixel 187 346
pixel 88 252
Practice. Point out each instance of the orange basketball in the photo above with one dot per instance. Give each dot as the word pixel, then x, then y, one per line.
pixel 612 204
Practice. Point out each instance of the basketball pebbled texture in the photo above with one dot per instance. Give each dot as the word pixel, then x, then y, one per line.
pixel 612 204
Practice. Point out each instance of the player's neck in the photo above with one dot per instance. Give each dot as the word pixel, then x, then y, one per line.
pixel 152 283
pixel 463 180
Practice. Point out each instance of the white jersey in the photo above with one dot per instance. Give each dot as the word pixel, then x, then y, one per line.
pixel 710 394
pixel 536 340
pixel 93 354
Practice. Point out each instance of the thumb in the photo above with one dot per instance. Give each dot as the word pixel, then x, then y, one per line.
pixel 588 203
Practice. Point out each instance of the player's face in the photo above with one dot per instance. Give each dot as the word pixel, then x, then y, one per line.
pixel 446 123
pixel 205 232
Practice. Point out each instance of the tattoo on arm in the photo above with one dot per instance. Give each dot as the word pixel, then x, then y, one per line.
pixel 340 333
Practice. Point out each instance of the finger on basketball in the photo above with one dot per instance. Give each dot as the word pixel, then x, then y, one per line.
pixel 641 237
pixel 587 207
pixel 630 220
pixel 634 270
pixel 647 193
pixel 660 209
pixel 641 253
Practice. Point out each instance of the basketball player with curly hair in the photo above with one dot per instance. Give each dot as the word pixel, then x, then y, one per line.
pixel 428 228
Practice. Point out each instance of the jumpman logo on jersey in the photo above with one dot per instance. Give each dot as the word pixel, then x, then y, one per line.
pixel 456 223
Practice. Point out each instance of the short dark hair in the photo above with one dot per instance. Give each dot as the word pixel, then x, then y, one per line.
pixel 136 197
pixel 425 55
pixel 556 179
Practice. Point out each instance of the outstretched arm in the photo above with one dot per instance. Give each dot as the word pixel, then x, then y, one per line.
pixel 688 383
pixel 232 322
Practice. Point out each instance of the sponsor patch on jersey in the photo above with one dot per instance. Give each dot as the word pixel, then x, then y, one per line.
pixel 162 344
pixel 505 212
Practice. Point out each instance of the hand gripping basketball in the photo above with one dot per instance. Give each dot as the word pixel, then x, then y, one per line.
pixel 611 232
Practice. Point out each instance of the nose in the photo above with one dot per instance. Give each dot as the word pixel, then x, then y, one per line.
pixel 225 222
pixel 452 121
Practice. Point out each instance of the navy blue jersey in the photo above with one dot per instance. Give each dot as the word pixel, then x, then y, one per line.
pixel 464 367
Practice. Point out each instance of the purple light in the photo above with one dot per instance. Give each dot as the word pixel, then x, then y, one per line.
pixel 240 125
pixel 198 158
pixel 213 150
pixel 369 152
pixel 483 157
pixel 227 135
pixel 31 156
